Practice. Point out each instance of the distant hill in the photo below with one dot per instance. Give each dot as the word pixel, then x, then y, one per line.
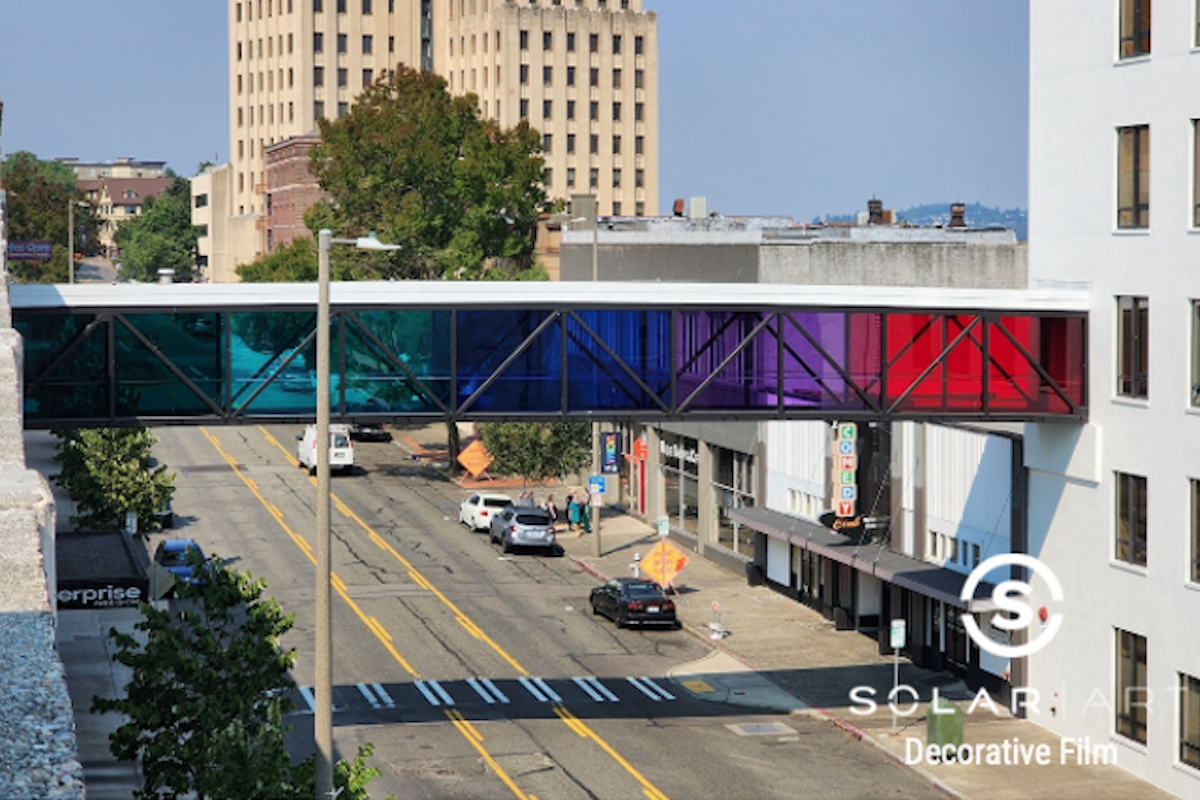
pixel 939 214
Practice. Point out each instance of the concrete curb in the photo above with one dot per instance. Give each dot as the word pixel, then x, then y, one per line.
pixel 854 731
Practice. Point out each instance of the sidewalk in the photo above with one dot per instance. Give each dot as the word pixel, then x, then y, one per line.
pixel 776 653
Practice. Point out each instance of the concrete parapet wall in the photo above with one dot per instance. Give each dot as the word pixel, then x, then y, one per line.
pixel 38 748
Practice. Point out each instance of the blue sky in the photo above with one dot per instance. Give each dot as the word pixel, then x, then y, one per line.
pixel 791 107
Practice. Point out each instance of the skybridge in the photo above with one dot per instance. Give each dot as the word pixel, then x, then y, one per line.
pixel 408 351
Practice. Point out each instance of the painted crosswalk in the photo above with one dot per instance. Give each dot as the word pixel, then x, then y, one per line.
pixel 481 690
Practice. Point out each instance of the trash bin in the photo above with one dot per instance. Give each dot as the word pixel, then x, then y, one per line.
pixel 945 727
pixel 754 574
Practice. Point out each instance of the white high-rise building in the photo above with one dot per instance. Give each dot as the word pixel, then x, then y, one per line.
pixel 1114 202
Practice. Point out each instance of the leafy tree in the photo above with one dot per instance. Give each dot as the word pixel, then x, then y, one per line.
pixel 206 703
pixel 423 169
pixel 39 193
pixel 107 471
pixel 295 261
pixel 161 237
pixel 536 450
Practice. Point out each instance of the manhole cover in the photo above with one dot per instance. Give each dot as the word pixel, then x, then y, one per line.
pixel 761 729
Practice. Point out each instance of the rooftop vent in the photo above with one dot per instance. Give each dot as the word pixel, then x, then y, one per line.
pixel 958 215
pixel 874 212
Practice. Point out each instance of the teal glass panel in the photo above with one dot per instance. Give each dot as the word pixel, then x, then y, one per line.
pixel 77 387
pixel 394 361
pixel 146 384
pixel 272 362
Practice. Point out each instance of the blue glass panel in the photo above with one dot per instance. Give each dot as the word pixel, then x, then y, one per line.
pixel 606 376
pixel 531 382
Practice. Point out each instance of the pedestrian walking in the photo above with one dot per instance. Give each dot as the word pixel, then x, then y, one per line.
pixel 573 515
pixel 585 515
pixel 552 510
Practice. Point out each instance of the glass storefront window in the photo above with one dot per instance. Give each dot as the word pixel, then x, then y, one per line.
pixel 733 488
pixel 681 485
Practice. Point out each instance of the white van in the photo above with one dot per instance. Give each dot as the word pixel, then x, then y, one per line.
pixel 341 449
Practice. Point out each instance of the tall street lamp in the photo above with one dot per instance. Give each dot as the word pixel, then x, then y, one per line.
pixel 71 234
pixel 323 686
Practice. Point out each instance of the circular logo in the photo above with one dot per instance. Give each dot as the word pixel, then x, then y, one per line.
pixel 1006 596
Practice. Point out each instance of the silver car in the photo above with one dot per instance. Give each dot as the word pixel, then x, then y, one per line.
pixel 521 526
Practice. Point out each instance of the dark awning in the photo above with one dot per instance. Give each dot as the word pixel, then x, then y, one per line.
pixel 887 565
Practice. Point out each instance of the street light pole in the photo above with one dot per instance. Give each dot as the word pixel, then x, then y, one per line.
pixel 323 685
pixel 71 235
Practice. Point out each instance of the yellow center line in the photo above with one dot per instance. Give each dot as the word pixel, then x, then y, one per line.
pixel 572 722
pixel 473 736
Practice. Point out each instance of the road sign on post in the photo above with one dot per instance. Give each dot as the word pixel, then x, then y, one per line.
pixel 664 527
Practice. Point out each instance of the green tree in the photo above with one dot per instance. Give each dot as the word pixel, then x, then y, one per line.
pixel 39 193
pixel 537 450
pixel 204 709
pixel 423 169
pixel 161 237
pixel 107 471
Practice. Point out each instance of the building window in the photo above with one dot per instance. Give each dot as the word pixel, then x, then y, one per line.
pixel 291 76
pixel 1131 518
pixel 318 76
pixel 594 112
pixel 547 76
pixel 616 41
pixel 366 6
pixel 547 109
pixel 637 45
pixel 289 43
pixel 342 43
pixel 1189 720
pixel 570 143
pixel 343 109
pixel 616 145
pixel 392 44
pixel 548 176
pixel 594 77
pixel 1135 28
pixel 524 40
pixel 639 145
pixel 366 78
pixel 638 111
pixel 317 7
pixel 616 112
pixel 570 109
pixel 524 108
pixel 524 74
pixel 594 178
pixel 570 76
pixel 1133 346
pixel 616 79
pixel 1132 700
pixel 318 43
pixel 547 40
pixel 616 178
pixel 1195 508
pixel 639 178
pixel 594 147
pixel 318 109
pixel 1196 168
pixel 570 42
pixel 547 142
pixel 1133 177
pixel 570 177
pixel 343 77
pixel 638 79
pixel 341 6
pixel 239 84
pixel 368 43
pixel 616 208
pixel 594 42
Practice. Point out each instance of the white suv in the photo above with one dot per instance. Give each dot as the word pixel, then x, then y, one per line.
pixel 476 511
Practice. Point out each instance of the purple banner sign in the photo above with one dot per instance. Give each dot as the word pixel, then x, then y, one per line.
pixel 29 251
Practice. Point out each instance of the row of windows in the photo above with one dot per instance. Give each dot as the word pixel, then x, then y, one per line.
pixel 639 110
pixel 277 7
pixel 1133 348
pixel 266 82
pixel 271 46
pixel 639 43
pixel 1133 176
pixel 266 116
pixel 594 177
pixel 618 77
pixel 343 76
pixel 464 8
pixel 1133 32
pixel 1131 533
pixel 1134 698
pixel 639 145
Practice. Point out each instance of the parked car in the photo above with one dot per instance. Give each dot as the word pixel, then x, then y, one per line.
pixel 522 526
pixel 341 448
pixel 476 511
pixel 630 601
pixel 296 377
pixel 369 432
pixel 173 556
pixel 165 515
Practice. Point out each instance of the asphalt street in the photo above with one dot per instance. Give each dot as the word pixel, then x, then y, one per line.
pixel 478 674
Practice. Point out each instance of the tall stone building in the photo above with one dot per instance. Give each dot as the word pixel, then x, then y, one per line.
pixel 582 72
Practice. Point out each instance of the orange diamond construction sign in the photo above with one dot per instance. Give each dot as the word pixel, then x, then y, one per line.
pixel 663 563
pixel 475 458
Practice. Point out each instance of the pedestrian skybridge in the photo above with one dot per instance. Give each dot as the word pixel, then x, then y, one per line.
pixel 113 355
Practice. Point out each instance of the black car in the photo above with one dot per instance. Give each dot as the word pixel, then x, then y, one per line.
pixel 633 601
pixel 369 432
